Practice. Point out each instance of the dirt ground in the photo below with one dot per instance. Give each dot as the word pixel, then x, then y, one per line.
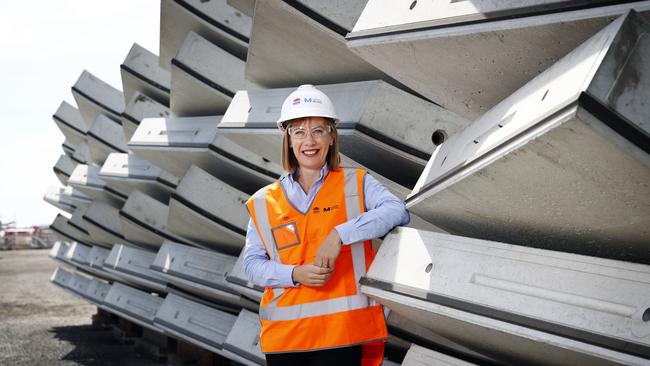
pixel 41 324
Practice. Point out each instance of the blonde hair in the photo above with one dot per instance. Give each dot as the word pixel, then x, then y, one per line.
pixel 289 160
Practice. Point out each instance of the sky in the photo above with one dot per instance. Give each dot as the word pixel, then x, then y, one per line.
pixel 45 45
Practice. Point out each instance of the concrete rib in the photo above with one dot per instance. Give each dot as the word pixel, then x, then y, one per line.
pixel 243 341
pixel 103 223
pixel 138 108
pixel 94 97
pixel 135 305
pixel 131 265
pixel 141 72
pixel 85 178
pixel 104 137
pixel 71 124
pixel 63 168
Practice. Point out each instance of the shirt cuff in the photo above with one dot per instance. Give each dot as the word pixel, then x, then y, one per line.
pixel 346 232
pixel 285 276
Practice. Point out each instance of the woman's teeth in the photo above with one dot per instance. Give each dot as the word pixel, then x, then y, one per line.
pixel 310 152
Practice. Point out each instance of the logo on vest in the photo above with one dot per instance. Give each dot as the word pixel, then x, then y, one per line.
pixel 325 209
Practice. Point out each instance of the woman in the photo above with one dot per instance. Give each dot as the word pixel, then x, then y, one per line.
pixel 308 243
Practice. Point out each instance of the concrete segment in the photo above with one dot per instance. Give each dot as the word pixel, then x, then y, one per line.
pixel 63 168
pixel 81 154
pixel 213 20
pixel 562 163
pixel 59 197
pixel 204 78
pixel 103 224
pixel 129 173
pixel 71 124
pixel 137 306
pixel 245 6
pixel 198 324
pixel 197 271
pixel 80 255
pixel 144 221
pixel 58 252
pixel 209 212
pixel 237 280
pixel 67 148
pixel 131 265
pixel 381 127
pixel 513 303
pixel 343 13
pixel 138 108
pixel 79 227
pixel 420 356
pixel 484 51
pixel 61 277
pixel 85 178
pixel 243 341
pixel 141 72
pixel 62 228
pixel 290 46
pixel 104 137
pixel 95 97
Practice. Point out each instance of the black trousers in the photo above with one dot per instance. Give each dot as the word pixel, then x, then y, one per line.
pixel 345 356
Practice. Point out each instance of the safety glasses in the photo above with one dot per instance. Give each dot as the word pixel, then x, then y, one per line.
pixel 300 133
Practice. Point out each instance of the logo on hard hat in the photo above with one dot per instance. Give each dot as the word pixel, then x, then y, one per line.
pixel 296 101
pixel 313 100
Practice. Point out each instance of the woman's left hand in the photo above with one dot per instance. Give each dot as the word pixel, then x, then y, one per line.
pixel 329 250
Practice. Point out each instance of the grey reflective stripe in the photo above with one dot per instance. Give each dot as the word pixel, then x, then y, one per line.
pixel 262 218
pixel 353 210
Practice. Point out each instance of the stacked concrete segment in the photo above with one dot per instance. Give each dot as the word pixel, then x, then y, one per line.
pixel 141 73
pixel 243 341
pixel 105 137
pixel 94 97
pixel 81 153
pixel 71 124
pixel 103 224
pixel 131 265
pixel 139 107
pixel 85 178
pixel 135 305
pixel 66 232
pixel 63 168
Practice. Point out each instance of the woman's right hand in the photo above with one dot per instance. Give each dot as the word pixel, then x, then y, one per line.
pixel 311 275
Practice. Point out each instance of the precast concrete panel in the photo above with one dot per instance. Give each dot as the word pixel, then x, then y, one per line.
pixel 81 153
pixel 139 107
pixel 61 277
pixel 196 323
pixel 144 221
pixel 97 256
pixel 67 148
pixel 209 212
pixel 135 305
pixel 71 124
pixel 342 13
pixel 129 173
pixel 131 265
pixel 215 21
pixel 59 250
pixel 63 168
pixel 515 304
pixel 141 72
pixel 58 197
pixel 78 285
pixel 245 6
pixel 96 291
pixel 197 271
pixel 94 97
pixel 562 163
pixel 243 341
pixel 105 137
pixel 78 254
pixel 292 45
pixel 467 56
pixel 380 126
pixel 238 281
pixel 204 78
pixel 103 223
pixel 66 232
pixel 420 356
pixel 85 178
pixel 80 228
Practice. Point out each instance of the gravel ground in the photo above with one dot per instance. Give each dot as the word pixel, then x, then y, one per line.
pixel 41 324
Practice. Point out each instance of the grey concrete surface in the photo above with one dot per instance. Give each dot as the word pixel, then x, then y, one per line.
pixel 40 324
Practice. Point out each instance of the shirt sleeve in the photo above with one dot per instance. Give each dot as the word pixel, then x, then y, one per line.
pixel 259 268
pixel 384 211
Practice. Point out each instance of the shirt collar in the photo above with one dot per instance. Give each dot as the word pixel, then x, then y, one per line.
pixel 323 173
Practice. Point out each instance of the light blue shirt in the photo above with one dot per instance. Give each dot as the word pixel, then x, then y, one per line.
pixel 384 212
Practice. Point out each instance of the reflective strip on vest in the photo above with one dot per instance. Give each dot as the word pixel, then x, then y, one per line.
pixel 325 307
pixel 262 214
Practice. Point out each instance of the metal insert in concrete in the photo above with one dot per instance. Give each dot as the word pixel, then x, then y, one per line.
pixel 381 127
pixel 563 163
pixel 198 271
pixel 243 341
pixel 316 53
pixel 214 20
pixel 103 223
pixel 238 281
pixel 63 168
pixel 71 124
pixel 198 324
pixel 204 78
pixel 420 356
pixel 104 137
pixel 81 153
pixel 473 292
pixel 135 305
pixel 94 97
pixel 484 51
pixel 144 221
pixel 131 265
pixel 209 212
pixel 62 228
pixel 85 178
pixel 174 144
pixel 129 173
pixel 138 108
pixel 141 72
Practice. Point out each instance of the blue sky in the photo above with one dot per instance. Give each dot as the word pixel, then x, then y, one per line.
pixel 45 46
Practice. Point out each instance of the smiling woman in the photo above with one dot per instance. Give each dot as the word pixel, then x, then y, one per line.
pixel 308 243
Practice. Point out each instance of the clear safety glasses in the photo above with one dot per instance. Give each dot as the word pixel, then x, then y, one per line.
pixel 300 133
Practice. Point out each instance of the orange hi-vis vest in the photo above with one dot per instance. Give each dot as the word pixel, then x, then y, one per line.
pixel 337 314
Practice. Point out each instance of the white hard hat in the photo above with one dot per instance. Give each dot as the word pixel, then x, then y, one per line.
pixel 306 101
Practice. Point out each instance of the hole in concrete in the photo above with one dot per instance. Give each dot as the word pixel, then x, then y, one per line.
pixel 443 160
pixel 429 268
pixel 438 137
pixel 266 160
pixel 646 315
pixel 545 94
pixel 413 4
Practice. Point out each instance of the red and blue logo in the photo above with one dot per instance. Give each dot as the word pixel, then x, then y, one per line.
pixel 296 101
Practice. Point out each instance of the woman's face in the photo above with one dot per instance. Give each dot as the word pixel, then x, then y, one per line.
pixel 310 150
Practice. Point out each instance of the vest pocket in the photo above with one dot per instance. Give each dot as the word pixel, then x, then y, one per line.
pixel 285 235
